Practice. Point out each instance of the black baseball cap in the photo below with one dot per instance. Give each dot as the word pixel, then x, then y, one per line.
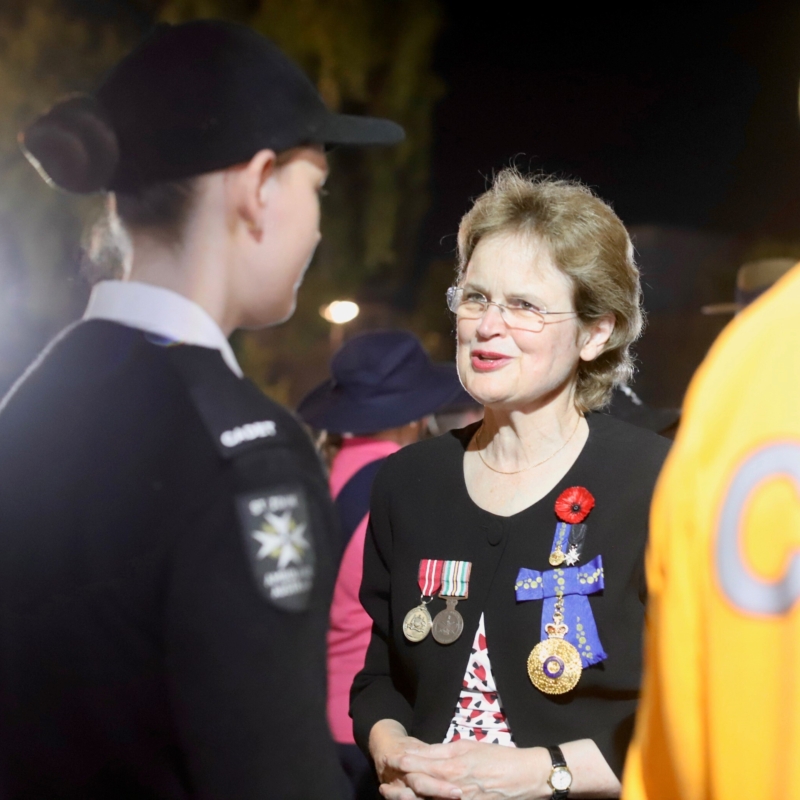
pixel 191 98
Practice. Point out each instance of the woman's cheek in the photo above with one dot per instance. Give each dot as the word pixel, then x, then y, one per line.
pixel 462 358
pixel 465 330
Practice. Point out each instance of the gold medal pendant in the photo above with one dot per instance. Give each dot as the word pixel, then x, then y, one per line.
pixel 557 557
pixel 554 666
pixel 417 623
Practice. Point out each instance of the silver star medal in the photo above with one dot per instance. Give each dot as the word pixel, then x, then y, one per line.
pixel 572 556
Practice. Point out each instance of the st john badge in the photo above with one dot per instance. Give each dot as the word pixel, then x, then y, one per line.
pixel 277 531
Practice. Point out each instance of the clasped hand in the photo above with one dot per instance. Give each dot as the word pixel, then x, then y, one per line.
pixel 412 770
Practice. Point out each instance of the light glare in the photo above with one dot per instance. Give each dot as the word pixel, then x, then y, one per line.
pixel 340 311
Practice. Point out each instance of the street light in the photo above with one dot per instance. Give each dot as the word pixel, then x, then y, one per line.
pixel 339 313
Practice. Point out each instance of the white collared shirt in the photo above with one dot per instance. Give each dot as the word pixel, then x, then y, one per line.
pixel 161 312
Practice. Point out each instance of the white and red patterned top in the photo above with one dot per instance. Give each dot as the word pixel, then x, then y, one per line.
pixel 479 713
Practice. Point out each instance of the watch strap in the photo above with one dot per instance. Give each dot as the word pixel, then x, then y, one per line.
pixel 558 760
pixel 556 756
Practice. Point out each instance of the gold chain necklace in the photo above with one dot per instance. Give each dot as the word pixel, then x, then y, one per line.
pixel 537 464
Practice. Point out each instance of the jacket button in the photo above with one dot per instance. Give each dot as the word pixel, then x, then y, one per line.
pixel 494 531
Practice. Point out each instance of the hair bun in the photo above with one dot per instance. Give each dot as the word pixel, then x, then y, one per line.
pixel 72 145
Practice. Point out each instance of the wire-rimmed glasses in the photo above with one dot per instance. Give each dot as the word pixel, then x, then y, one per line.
pixel 469 304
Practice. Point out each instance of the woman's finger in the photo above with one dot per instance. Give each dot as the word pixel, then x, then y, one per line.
pixel 450 749
pixel 442 769
pixel 397 790
pixel 426 786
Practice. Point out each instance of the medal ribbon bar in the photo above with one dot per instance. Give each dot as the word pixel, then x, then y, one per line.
pixel 455 579
pixel 574 583
pixel 430 576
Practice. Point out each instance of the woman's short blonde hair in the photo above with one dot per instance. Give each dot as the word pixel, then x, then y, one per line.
pixel 588 243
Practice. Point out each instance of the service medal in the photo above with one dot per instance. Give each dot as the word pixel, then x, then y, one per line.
pixel 448 624
pixel 557 555
pixel 417 623
pixel 570 641
pixel 554 666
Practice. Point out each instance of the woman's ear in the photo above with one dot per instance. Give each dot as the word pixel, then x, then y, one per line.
pixel 250 190
pixel 596 337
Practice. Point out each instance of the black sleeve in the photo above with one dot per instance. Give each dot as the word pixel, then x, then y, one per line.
pixel 246 674
pixel 374 695
pixel 613 742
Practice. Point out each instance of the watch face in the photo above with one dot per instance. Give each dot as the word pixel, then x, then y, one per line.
pixel 560 778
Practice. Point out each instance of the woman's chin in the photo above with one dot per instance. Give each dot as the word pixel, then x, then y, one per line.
pixel 490 399
pixel 507 402
pixel 486 389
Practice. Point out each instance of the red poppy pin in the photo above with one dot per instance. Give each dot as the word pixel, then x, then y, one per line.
pixel 574 504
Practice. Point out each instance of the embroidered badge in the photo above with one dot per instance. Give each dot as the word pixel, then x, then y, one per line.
pixel 248 432
pixel 279 544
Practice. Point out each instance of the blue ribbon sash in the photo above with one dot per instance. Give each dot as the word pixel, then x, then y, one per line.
pixel 575 583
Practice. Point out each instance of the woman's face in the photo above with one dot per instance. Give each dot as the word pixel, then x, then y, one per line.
pixel 288 236
pixel 509 368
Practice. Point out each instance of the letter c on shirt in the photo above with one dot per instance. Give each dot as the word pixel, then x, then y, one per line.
pixel 742 587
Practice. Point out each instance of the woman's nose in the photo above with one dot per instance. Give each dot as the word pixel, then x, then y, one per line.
pixel 492 322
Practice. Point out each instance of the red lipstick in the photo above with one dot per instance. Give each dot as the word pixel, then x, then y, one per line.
pixel 487 360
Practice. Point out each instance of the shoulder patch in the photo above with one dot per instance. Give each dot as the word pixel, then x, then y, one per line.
pixel 236 414
pixel 276 527
pixel 239 419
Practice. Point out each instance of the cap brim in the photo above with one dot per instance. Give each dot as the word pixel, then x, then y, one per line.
pixel 346 129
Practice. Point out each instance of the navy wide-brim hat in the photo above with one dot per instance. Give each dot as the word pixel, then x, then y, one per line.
pixel 380 380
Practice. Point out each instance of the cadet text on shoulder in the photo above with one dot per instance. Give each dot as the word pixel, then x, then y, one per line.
pixel 247 433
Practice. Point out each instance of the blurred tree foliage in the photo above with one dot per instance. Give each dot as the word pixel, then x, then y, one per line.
pixel 366 57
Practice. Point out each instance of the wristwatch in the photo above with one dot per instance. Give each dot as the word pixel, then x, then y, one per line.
pixel 560 777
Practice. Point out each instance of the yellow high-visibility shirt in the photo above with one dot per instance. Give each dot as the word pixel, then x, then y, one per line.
pixel 720 711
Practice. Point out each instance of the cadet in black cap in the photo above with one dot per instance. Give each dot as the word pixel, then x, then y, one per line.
pixel 166 562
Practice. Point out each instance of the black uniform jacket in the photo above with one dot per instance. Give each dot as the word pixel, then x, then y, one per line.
pixel 421 509
pixel 165 576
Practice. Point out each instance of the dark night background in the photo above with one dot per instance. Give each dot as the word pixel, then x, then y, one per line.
pixel 684 118
pixel 678 116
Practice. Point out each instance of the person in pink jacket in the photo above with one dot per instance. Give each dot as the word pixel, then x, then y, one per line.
pixel 382 388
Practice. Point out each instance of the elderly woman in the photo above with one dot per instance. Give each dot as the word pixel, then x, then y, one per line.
pixel 503 568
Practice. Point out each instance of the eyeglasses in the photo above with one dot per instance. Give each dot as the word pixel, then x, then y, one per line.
pixel 517 314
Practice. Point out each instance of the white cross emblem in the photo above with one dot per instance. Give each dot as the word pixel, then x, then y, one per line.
pixel 281 538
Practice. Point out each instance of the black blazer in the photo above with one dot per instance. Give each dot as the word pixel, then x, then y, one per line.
pixel 421 509
pixel 144 652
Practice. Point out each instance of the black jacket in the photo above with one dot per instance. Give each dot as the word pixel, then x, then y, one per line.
pixel 161 636
pixel 421 509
